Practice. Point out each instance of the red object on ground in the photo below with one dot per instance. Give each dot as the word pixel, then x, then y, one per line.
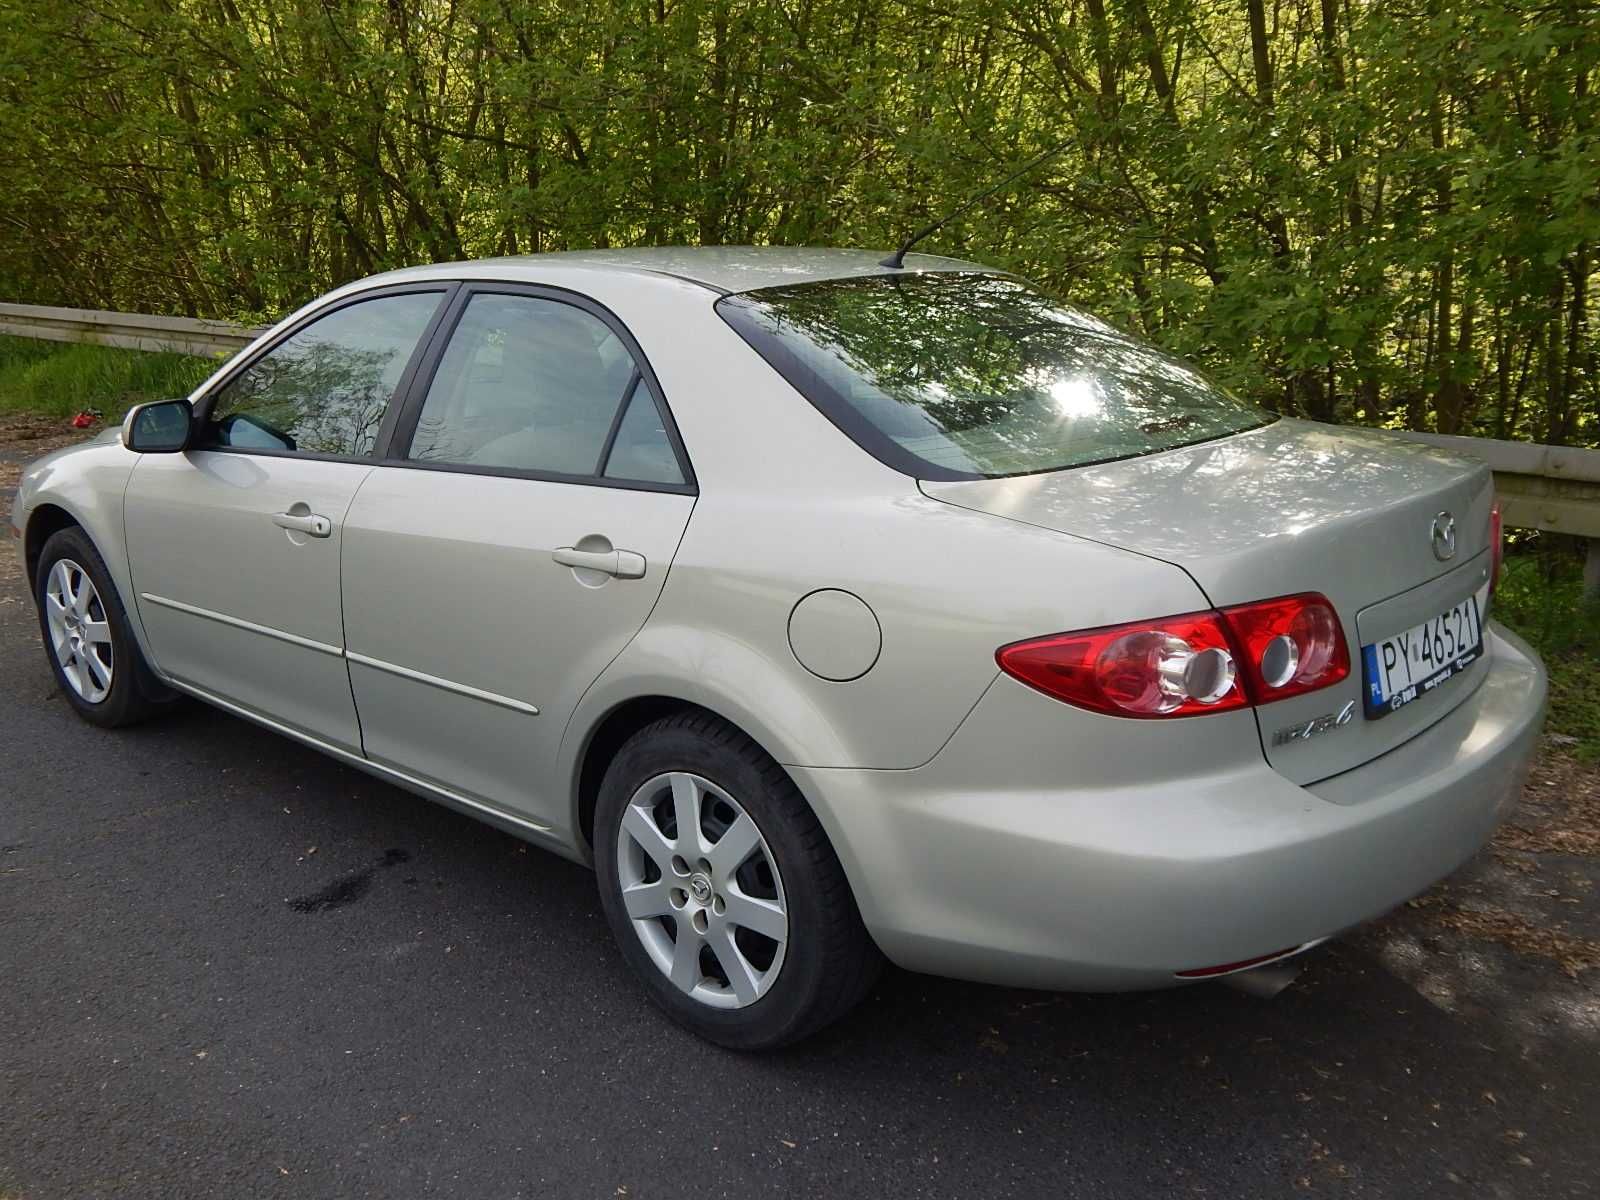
pixel 83 420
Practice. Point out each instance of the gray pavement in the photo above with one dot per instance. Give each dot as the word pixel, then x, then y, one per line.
pixel 232 967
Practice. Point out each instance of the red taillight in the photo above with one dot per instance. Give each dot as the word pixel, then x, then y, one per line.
pixel 1288 646
pixel 1173 667
pixel 1497 544
pixel 1188 665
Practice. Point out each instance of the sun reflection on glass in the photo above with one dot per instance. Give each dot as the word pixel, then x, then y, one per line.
pixel 1076 397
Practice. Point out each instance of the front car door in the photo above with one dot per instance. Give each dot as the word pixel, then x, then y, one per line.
pixel 234 545
pixel 512 544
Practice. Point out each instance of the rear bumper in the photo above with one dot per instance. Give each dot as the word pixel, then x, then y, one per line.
pixel 1116 887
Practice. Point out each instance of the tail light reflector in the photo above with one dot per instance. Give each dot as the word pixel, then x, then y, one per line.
pixel 1188 665
pixel 1230 968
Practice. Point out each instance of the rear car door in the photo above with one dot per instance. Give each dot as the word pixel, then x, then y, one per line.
pixel 234 545
pixel 511 545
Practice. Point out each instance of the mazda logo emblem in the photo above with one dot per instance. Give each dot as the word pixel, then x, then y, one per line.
pixel 1444 537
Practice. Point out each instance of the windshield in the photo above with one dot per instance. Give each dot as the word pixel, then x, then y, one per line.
pixel 960 376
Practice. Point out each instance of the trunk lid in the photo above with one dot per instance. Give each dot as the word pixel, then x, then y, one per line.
pixel 1290 507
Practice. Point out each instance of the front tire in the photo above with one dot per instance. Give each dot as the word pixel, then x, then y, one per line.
pixel 96 661
pixel 722 890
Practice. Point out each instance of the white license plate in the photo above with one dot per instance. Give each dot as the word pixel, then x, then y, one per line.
pixel 1401 669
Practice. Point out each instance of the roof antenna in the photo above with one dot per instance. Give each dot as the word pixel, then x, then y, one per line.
pixel 897 260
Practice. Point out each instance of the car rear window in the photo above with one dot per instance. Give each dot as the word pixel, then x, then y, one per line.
pixel 950 375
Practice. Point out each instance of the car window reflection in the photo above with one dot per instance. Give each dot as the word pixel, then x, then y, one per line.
pixel 325 390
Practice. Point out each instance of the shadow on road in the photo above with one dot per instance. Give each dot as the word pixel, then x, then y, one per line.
pixel 233 966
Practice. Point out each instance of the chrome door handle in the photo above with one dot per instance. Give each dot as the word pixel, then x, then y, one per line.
pixel 624 564
pixel 310 523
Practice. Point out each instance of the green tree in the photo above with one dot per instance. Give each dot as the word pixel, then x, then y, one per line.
pixel 1355 210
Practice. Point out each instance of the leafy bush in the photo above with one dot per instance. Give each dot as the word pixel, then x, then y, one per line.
pixel 1541 597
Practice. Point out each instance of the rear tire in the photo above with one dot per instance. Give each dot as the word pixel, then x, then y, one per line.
pixel 92 651
pixel 775 946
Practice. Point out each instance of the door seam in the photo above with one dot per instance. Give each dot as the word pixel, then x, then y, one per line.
pixel 344 620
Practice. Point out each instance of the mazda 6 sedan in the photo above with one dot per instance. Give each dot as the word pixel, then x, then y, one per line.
pixel 834 612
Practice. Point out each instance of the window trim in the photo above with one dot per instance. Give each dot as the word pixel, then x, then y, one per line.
pixel 398 447
pixel 629 391
pixel 445 289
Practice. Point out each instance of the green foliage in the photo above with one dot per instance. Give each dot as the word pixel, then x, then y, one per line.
pixel 1352 210
pixel 61 380
pixel 1540 596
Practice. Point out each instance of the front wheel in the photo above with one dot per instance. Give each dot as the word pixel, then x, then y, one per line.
pixel 722 889
pixel 92 651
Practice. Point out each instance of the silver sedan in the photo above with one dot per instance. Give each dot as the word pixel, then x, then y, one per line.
pixel 833 611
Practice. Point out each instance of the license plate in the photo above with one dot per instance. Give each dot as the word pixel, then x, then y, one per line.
pixel 1404 668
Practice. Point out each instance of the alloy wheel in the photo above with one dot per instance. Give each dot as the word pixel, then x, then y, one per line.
pixel 80 634
pixel 702 890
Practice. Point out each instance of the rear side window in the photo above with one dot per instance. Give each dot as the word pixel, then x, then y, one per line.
pixel 532 384
pixel 642 449
pixel 965 376
pixel 325 388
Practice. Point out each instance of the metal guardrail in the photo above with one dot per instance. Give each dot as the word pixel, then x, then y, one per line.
pixel 1540 487
pixel 131 331
pixel 1555 488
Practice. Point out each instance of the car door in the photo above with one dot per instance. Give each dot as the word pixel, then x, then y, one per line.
pixel 234 545
pixel 510 547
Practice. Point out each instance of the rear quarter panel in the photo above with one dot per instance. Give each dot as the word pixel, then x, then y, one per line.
pixel 788 505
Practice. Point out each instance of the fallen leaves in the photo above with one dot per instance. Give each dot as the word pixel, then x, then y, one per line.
pixel 1560 812
pixel 1574 955
pixel 1559 815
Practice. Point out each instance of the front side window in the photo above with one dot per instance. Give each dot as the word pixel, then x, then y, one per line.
pixel 537 385
pixel 963 376
pixel 324 389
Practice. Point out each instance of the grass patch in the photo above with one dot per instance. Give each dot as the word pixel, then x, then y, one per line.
pixel 59 379
pixel 1541 597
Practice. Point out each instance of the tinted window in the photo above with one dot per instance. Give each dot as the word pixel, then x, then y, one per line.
pixel 642 450
pixel 325 389
pixel 525 383
pixel 956 376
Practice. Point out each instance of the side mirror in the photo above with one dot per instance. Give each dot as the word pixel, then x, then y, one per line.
pixel 244 429
pixel 158 428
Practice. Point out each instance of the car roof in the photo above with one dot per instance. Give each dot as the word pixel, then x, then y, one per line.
pixel 721 268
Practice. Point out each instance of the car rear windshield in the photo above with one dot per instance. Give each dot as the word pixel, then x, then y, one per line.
pixel 960 376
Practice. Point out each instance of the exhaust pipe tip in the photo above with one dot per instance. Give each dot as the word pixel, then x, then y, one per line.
pixel 1262 982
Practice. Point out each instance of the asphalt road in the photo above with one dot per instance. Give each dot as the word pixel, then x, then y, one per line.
pixel 231 967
